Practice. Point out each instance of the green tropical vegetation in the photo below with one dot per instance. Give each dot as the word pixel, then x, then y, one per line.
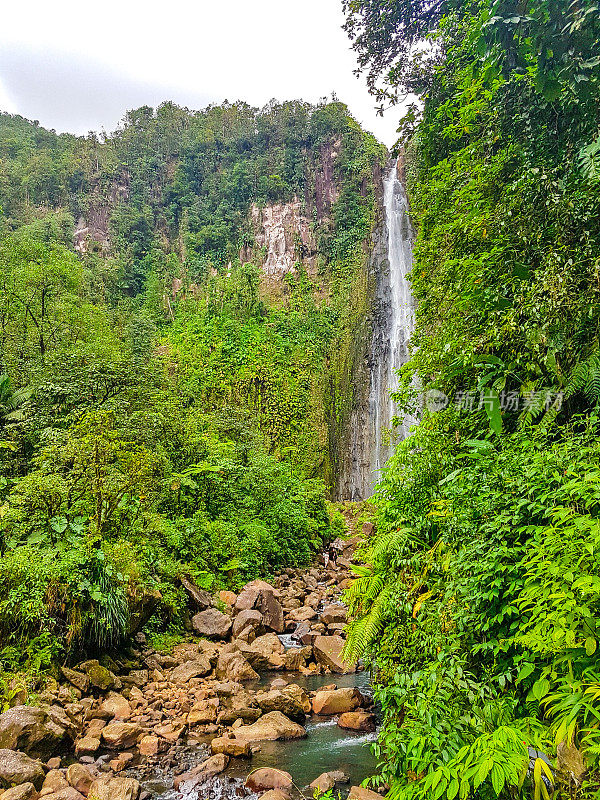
pixel 479 607
pixel 165 410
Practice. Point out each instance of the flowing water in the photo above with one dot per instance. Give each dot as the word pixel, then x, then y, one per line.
pixel 390 342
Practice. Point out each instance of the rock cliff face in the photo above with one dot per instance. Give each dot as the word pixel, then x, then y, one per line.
pixel 284 233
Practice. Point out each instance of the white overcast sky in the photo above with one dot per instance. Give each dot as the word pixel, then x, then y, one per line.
pixel 78 66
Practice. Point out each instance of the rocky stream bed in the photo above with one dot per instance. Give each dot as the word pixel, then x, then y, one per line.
pixel 258 702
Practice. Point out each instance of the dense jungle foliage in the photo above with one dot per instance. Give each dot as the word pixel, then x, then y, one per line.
pixel 479 609
pixel 162 411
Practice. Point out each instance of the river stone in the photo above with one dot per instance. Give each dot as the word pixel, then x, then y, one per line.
pixel 283 701
pixel 262 596
pixel 333 614
pixel 100 677
pixel 268 778
pixel 117 706
pixel 275 794
pixel 231 747
pixel 270 727
pixel 202 713
pixel 120 735
pixel 336 701
pixel 207 769
pixel 357 721
pixel 66 793
pixel 323 783
pixel 16 767
pixel 199 667
pixel 25 791
pixel 231 665
pixel 114 789
pixel 149 745
pixel 212 624
pixel 80 778
pixel 360 793
pixel 31 730
pixel 328 652
pixel 265 652
pixel 87 745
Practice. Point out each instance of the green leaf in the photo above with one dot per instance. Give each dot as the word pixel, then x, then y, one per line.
pixel 590 646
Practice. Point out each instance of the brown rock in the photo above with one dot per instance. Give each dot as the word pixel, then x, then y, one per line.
pixel 53 782
pixel 66 793
pixel 16 767
pixel 213 765
pixel 79 679
pixel 199 667
pixel 212 624
pixel 199 598
pixel 323 783
pixel 100 677
pixel 120 735
pixel 234 667
pixel 359 793
pixel 270 727
pixel 202 714
pixel 265 778
pixel 357 721
pixel 32 730
pixel 275 794
pixel 80 778
pixel 249 617
pixel 114 789
pixel 262 596
pixel 149 745
pixel 336 701
pixel 284 701
pixel 228 598
pixel 117 706
pixel 87 745
pixel 333 614
pixel 231 747
pixel 328 652
pixel 25 791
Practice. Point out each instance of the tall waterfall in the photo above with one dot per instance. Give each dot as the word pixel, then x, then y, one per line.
pixel 396 323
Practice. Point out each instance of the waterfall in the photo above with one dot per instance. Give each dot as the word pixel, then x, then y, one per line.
pixel 394 325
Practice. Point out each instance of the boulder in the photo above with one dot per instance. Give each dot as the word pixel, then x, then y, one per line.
pixel 54 782
pixel 87 745
pixel 231 747
pixel 270 727
pixel 360 793
pixel 265 652
pixel 357 721
pixel 66 793
pixel 25 791
pixel 32 730
pixel 114 789
pixel 213 765
pixel 80 778
pixel 231 665
pixel 199 598
pixel 117 706
pixel 328 652
pixel 284 701
pixel 249 617
pixel 323 783
pixel 228 598
pixel 202 713
pixel 212 624
pixel 336 701
pixel 120 735
pixel 333 614
pixel 17 767
pixel 100 677
pixel 259 780
pixel 275 794
pixel 149 745
pixel 79 679
pixel 263 597
pixel 199 667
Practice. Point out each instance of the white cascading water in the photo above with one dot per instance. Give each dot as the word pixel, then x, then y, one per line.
pixel 396 302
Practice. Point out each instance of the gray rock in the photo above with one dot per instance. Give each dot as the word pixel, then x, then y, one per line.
pixel 32 730
pixel 212 624
pixel 17 768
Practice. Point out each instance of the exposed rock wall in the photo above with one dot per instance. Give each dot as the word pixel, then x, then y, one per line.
pixel 284 232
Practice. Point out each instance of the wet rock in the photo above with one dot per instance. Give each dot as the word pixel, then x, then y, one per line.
pixel 53 782
pixel 268 778
pixel 336 701
pixel 263 597
pixel 296 658
pixel 360 793
pixel 248 618
pixel 323 783
pixel 212 624
pixel 120 735
pixel 117 706
pixel 213 765
pixel 114 789
pixel 357 721
pixel 80 778
pixel 79 679
pixel 171 731
pixel 231 747
pixel 270 727
pixel 25 791
pixel 66 793
pixel 202 714
pixel 33 730
pixel 199 598
pixel 328 652
pixel 17 767
pixel 199 667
